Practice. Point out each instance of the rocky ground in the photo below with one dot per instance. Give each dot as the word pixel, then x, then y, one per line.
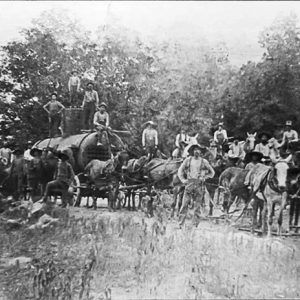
pixel 101 255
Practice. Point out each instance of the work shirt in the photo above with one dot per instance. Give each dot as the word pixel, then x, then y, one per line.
pixel 54 107
pixel 264 149
pixel 64 172
pixel 181 137
pixel 74 81
pixel 290 135
pixel 236 151
pixel 91 97
pixel 101 118
pixel 195 168
pixel 220 135
pixel 149 137
pixel 35 168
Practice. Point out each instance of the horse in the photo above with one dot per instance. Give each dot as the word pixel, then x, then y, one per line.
pixel 249 143
pixel 271 187
pixel 109 173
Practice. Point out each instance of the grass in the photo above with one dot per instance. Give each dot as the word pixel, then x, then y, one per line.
pixel 123 255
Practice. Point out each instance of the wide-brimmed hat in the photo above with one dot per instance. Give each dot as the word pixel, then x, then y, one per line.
pixel 149 123
pixel 193 147
pixel 18 151
pixel 92 83
pixel 33 150
pixel 261 134
pixel 288 123
pixel 102 104
pixel 249 156
pixel 63 154
pixel 29 143
pixel 221 124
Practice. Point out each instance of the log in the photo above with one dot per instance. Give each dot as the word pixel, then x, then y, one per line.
pixel 135 186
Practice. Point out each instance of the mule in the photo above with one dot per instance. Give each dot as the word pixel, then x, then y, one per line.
pixel 271 187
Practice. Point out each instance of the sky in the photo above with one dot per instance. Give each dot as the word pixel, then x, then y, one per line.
pixel 237 23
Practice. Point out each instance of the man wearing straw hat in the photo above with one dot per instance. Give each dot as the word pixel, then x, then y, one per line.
pixel 101 123
pixel 289 135
pixel 220 137
pixel 74 85
pixel 150 139
pixel 192 173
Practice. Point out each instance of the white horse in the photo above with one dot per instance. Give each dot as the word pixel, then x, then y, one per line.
pixel 184 153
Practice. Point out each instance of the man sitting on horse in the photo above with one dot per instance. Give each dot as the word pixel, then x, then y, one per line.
pixel 289 135
pixel 150 139
pixel 220 137
pixel 263 147
pixel 101 123
pixel 192 173
pixel 236 152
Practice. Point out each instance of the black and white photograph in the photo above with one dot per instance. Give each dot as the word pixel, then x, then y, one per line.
pixel 149 150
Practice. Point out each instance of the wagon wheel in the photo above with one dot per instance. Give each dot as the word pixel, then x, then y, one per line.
pixel 76 199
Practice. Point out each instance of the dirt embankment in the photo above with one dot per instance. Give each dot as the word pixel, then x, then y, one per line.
pixel 102 255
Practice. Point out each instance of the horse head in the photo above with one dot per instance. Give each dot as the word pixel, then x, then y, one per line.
pixel 250 141
pixel 280 172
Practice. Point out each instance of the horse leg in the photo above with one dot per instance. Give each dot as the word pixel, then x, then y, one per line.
pixel 174 205
pixel 264 216
pixel 260 207
pixel 270 217
pixel 95 202
pixel 282 206
pixel 254 214
pixel 292 211
pixel 133 200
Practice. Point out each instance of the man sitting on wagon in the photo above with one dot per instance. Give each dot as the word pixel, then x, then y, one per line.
pixel 220 138
pixel 101 122
pixel 150 139
pixel 63 177
pixel 289 135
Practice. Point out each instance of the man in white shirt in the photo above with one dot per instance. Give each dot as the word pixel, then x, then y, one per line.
pixel 74 86
pixel 192 173
pixel 220 137
pixel 27 156
pixel 289 135
pixel 236 152
pixel 263 147
pixel 182 136
pixel 150 139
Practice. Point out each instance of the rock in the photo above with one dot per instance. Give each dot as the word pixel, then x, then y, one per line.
pixel 44 221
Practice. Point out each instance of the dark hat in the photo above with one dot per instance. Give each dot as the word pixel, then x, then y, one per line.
pixel 18 151
pixel 90 83
pixel 33 150
pixel 62 155
pixel 268 135
pixel 193 147
pixel 102 104
pixel 249 156
pixel 54 93
pixel 237 138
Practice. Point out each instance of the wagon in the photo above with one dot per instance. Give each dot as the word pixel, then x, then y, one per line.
pixel 82 149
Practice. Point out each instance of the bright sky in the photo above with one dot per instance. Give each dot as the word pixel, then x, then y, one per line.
pixel 237 23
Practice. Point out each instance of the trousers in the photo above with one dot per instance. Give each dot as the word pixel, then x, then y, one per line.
pixel 194 193
pixel 88 115
pixel 61 186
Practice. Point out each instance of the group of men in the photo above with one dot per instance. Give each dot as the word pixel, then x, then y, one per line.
pixel 27 169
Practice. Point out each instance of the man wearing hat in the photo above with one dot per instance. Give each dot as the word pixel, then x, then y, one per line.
pixel 220 137
pixel 74 86
pixel 101 122
pixel 236 152
pixel 63 177
pixel 253 160
pixel 54 109
pixel 182 140
pixel 192 173
pixel 34 171
pixel 289 135
pixel 89 105
pixel 263 147
pixel 150 139
pixel 27 155
pixel 17 173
